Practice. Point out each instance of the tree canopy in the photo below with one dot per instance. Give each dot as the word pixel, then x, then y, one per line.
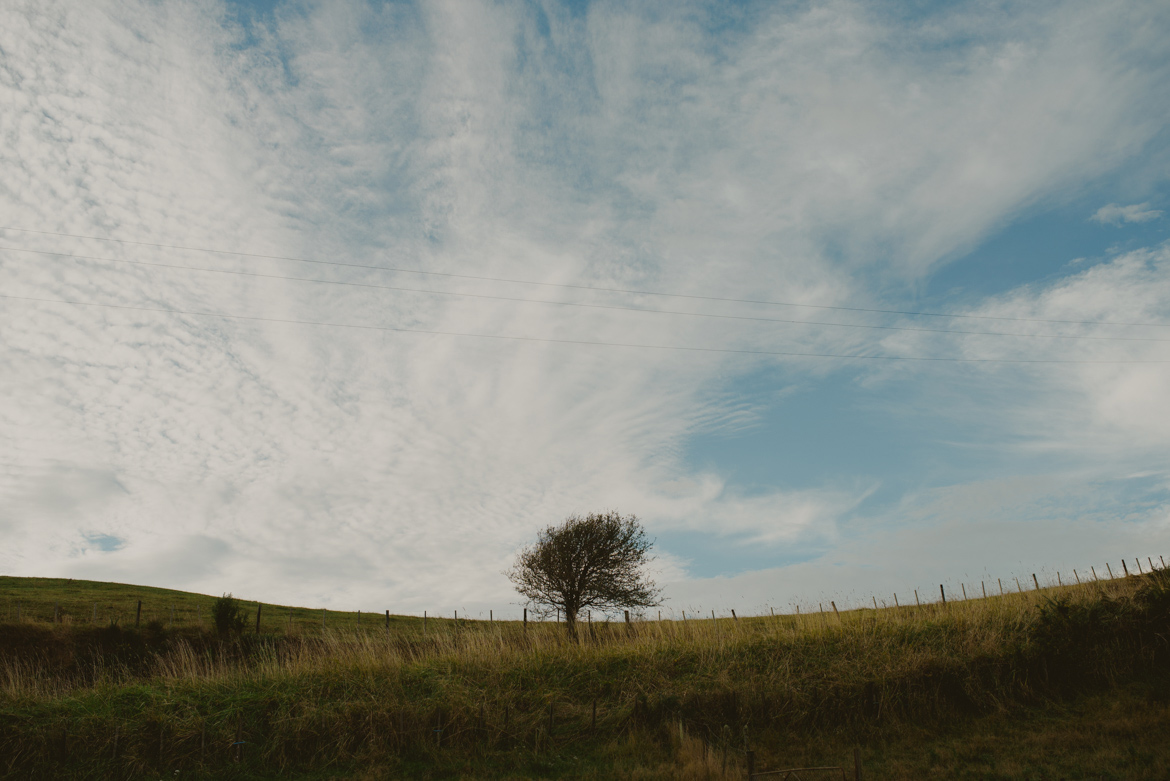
pixel 592 562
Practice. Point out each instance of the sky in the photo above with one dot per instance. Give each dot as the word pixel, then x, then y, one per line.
pixel 339 303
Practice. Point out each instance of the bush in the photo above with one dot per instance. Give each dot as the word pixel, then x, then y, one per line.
pixel 228 614
pixel 1154 599
pixel 1076 640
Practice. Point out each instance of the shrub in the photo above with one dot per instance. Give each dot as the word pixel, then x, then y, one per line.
pixel 228 614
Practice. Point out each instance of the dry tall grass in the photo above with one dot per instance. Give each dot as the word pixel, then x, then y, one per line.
pixel 695 691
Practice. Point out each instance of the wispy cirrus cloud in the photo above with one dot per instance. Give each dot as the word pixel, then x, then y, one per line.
pixel 1112 214
pixel 823 155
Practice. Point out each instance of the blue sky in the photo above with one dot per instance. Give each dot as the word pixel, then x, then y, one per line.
pixel 181 417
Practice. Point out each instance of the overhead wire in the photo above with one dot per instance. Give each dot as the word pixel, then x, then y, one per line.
pixel 629 291
pixel 549 340
pixel 577 304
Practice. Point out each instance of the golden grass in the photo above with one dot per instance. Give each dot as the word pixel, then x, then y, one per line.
pixel 879 637
pixel 676 699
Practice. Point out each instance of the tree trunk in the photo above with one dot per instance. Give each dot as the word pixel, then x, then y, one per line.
pixel 571 623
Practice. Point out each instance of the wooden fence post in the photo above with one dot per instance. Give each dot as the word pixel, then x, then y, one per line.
pixel 1000 586
pixel 916 600
pixel 387 620
pixel 838 615
pixel 1124 569
pixel 258 606
pixel 944 593
pixel 138 614
pixel 322 619
pixel 627 617
pixel 1109 570
pixel 896 605
pixel 875 603
pixel 525 618
pixel 734 617
pixel 1139 563
pixel 1094 571
pixel 1034 580
pixel 983 586
pixel 964 587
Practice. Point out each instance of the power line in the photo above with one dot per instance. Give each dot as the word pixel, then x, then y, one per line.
pixel 580 287
pixel 579 304
pixel 546 340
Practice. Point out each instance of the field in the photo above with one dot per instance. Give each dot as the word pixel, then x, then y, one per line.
pixel 1066 682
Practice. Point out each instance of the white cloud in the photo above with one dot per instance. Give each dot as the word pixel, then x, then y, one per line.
pixel 1096 409
pixel 1112 214
pixel 961 536
pixel 791 159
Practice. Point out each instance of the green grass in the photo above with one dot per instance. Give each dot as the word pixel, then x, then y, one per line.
pixel 88 602
pixel 1007 687
pixel 1118 734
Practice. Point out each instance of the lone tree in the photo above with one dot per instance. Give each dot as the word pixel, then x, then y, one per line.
pixel 591 562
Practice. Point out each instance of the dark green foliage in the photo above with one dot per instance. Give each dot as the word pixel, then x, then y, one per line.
pixel 228 615
pixel 1078 640
pixel 1154 599
pixel 1064 627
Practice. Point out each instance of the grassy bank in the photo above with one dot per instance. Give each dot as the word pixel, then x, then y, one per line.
pixel 649 700
pixel 82 603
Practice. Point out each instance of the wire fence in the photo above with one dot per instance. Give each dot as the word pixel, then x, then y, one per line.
pixel 185 610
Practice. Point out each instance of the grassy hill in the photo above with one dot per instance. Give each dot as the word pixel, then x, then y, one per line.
pixel 1067 682
pixel 94 603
